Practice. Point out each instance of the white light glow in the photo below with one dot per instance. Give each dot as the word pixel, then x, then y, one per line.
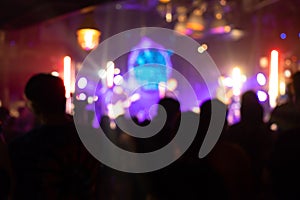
pixel 237 81
pixel 162 89
pixel 90 100
pixel 117 71
pixel 262 96
pixel 110 69
pixel 135 97
pixel 118 80
pixel 81 97
pixel 261 79
pixel 273 76
pixel 172 84
pixel 67 75
pixel 82 82
pixel 287 73
pixel 55 73
pixel 202 48
pixel 228 82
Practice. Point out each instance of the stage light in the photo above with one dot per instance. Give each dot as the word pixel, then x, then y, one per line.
pixel 237 81
pixel 67 75
pixel 135 97
pixel 110 69
pixel 55 73
pixel 202 48
pixel 228 82
pixel 287 73
pixel 90 100
pixel 261 79
pixel 117 71
pixel 262 96
pixel 81 97
pixel 273 79
pixel 82 82
pixel 118 80
pixel 172 84
pixel 88 35
pixel 283 36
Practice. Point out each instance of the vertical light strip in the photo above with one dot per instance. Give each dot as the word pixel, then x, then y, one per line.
pixel 110 71
pixel 237 81
pixel 67 75
pixel 273 79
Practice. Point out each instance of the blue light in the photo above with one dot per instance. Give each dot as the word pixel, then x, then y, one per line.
pixel 283 36
pixel 150 68
pixel 299 34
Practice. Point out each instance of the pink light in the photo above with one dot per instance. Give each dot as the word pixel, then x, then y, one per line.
pixel 67 75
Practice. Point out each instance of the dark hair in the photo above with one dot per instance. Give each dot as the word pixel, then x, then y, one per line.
pixel 47 92
pixel 296 83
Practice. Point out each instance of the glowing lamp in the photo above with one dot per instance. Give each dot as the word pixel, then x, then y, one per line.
pixel 88 38
pixel 88 35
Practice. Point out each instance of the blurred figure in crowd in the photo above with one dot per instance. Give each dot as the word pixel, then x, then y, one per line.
pixel 50 162
pixel 286 116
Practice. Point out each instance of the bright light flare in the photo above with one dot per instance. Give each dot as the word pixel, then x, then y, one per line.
pixel 261 79
pixel 55 73
pixel 287 73
pixel 82 82
pixel 273 79
pixel 118 80
pixel 67 75
pixel 262 96
pixel 237 81
pixel 110 70
pixel 135 97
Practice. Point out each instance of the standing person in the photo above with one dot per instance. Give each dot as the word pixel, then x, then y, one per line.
pixel 50 162
pixel 286 116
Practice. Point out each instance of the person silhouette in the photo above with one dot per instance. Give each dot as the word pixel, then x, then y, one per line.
pixel 286 116
pixel 50 162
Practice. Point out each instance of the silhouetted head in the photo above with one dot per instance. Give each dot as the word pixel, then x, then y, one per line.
pixel 251 110
pixel 172 108
pixel 296 84
pixel 46 94
pixel 206 112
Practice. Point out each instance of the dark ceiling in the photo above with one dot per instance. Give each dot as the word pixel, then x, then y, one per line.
pixel 16 14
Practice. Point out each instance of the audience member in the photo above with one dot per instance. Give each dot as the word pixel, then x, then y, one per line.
pixel 50 162
pixel 286 116
pixel 252 134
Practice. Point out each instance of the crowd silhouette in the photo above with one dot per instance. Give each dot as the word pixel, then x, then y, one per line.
pixel 249 161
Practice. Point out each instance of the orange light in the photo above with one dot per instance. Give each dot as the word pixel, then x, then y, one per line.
pixel 164 1
pixel 88 38
pixel 273 79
